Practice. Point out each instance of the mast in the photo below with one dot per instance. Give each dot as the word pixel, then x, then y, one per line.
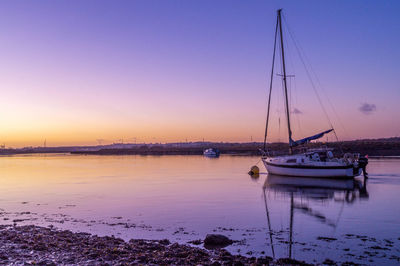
pixel 270 85
pixel 284 81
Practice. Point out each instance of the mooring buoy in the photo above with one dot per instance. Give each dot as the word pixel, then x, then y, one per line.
pixel 254 170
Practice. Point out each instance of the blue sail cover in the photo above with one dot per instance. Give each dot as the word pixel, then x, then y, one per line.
pixel 308 139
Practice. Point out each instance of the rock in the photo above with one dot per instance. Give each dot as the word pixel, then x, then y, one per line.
pixel 195 242
pixel 40 247
pixel 328 239
pixel 289 261
pixel 46 263
pixel 216 241
pixel 3 257
pixel 329 262
pixel 164 242
pixel 378 247
pixel 264 260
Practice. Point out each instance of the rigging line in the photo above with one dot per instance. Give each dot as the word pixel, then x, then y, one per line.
pixel 305 63
pixel 290 95
pixel 336 223
pixel 289 59
pixel 269 225
pixel 284 81
pixel 318 80
pixel 291 107
pixel 329 101
pixel 338 218
pixel 284 102
pixel 291 226
pixel 279 129
pixel 293 87
pixel 309 76
pixel 270 85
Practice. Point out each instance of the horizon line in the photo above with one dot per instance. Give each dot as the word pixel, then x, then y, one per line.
pixel 190 142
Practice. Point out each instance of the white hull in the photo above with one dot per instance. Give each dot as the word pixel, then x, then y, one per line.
pixel 212 153
pixel 309 172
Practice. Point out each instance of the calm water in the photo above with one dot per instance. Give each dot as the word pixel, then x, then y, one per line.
pixel 183 198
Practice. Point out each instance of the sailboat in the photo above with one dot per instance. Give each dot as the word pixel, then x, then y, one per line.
pixel 319 162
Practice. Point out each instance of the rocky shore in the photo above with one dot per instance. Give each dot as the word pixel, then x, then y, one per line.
pixel 36 245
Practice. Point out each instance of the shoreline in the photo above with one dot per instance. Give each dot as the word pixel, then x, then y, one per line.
pixel 39 245
pixel 30 244
pixel 374 148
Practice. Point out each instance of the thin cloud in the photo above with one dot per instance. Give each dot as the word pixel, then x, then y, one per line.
pixel 367 108
pixel 296 111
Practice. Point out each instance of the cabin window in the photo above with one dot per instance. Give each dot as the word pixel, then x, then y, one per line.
pixel 291 161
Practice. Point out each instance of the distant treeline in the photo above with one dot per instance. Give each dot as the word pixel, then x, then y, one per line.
pixel 371 147
pixel 385 147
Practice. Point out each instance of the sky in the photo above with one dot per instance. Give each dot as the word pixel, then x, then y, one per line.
pixel 76 72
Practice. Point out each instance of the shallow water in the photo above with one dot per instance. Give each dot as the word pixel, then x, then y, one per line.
pixel 183 198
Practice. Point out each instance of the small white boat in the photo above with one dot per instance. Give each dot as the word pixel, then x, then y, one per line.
pixel 214 153
pixel 312 163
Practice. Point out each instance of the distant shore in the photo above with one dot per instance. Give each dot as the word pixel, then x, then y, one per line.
pixel 370 147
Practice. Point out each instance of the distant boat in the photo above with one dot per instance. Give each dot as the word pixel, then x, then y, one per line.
pixel 312 163
pixel 211 152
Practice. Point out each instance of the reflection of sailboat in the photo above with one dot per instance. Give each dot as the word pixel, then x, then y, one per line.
pixel 313 163
pixel 309 188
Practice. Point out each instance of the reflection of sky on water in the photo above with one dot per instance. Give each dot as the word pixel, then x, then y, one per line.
pixel 185 197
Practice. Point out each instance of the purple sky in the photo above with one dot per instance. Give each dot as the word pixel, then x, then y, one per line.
pixel 72 72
